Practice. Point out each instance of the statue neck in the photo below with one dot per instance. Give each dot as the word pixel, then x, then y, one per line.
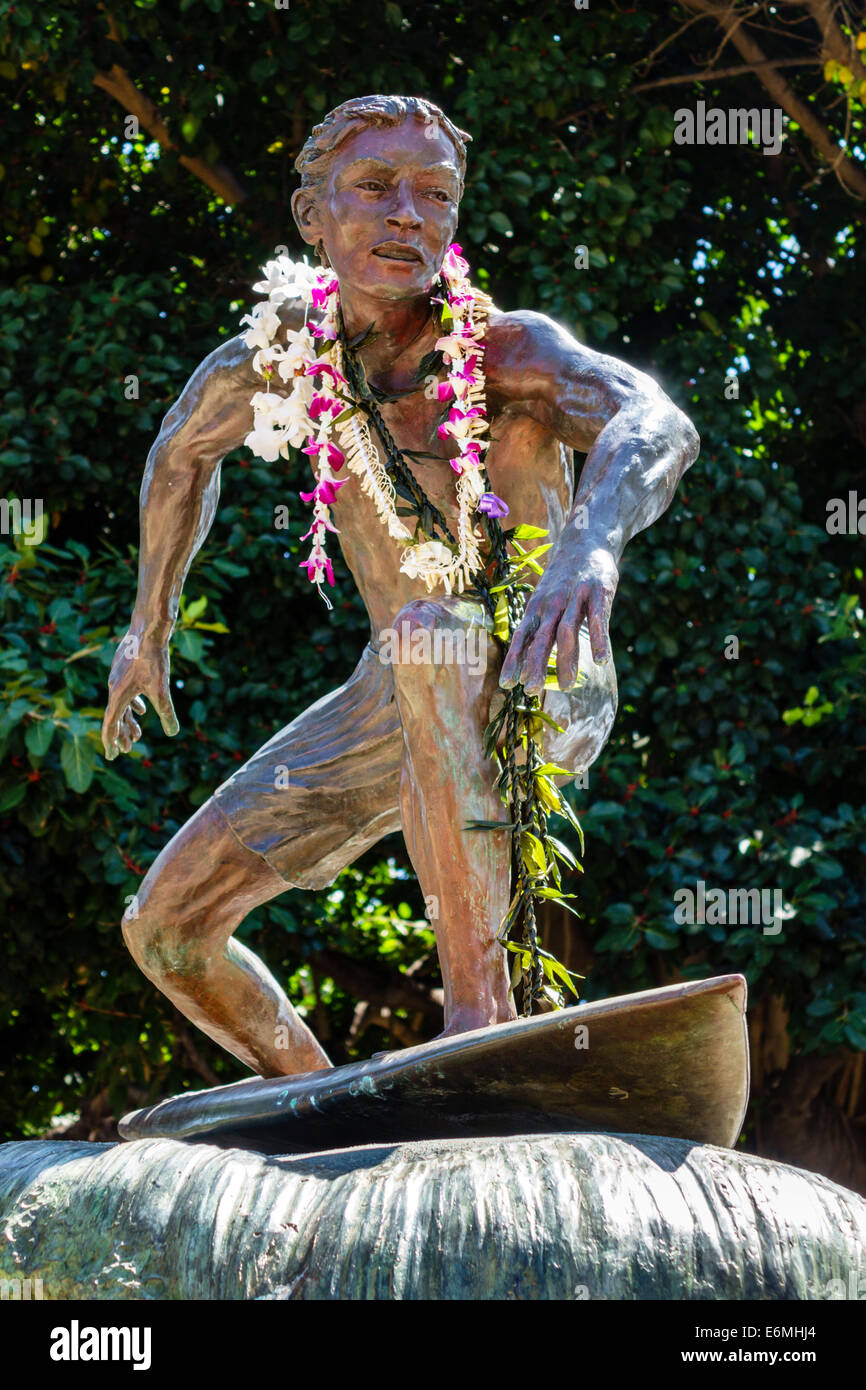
pixel 397 324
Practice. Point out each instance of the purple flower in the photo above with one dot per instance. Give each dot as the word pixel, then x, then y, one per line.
pixel 322 404
pixel 320 293
pixel 327 330
pixel 491 505
pixel 336 457
pixel 325 491
pixel 318 366
pixel 315 566
pixel 320 525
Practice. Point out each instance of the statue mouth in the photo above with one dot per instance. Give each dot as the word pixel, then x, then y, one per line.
pixel 397 251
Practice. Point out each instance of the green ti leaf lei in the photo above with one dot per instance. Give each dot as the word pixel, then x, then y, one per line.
pixel 514 738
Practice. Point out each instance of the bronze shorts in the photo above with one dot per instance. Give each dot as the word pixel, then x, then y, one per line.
pixel 327 786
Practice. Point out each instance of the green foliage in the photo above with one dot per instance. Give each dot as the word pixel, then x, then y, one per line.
pixel 124 265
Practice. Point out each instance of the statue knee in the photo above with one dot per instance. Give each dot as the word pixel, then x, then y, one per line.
pixel 135 927
pixel 432 633
pixel 445 611
pixel 422 615
pixel 158 947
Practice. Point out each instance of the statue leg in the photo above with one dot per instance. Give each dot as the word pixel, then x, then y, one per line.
pixel 192 900
pixel 446 673
pixel 305 805
pixel 447 780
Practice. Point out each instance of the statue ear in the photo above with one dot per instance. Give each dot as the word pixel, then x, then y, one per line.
pixel 304 213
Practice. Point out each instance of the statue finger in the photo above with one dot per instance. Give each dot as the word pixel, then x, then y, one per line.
pixel 167 716
pixel 598 619
pixel 512 666
pixel 111 730
pixel 534 664
pixel 568 646
pixel 131 726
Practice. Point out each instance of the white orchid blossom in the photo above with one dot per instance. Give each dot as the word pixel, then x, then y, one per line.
pixel 285 279
pixel 267 443
pixel 264 324
pixel 300 347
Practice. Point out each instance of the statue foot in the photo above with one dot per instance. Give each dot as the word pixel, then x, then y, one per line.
pixel 469 1019
pixel 463 1021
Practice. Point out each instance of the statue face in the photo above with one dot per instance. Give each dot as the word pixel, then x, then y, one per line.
pixel 389 211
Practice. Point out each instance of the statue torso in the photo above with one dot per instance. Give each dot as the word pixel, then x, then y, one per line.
pixel 528 469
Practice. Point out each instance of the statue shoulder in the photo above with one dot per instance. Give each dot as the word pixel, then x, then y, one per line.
pixel 234 356
pixel 522 345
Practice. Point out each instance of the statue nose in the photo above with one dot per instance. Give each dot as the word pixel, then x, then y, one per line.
pixel 403 213
pixel 404 218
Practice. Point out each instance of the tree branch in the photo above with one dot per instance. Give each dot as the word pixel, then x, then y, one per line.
pixel 850 175
pixel 119 85
pixel 835 44
pixel 735 71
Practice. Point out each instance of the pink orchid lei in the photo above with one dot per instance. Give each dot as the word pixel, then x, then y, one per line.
pixel 319 408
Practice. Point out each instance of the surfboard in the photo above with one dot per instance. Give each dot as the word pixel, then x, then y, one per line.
pixel 671 1061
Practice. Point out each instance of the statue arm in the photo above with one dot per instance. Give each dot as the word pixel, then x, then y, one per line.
pixel 641 444
pixel 181 483
pixel 179 495
pixel 638 444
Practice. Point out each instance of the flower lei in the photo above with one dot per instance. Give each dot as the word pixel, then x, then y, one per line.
pixel 321 408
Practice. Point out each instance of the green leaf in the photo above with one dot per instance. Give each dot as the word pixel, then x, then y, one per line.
pixel 13 714
pixel 821 1008
pixel 563 899
pixel 559 972
pixel 194 610
pixel 189 644
pixel 827 868
pixel 548 794
pixel 542 716
pixel 78 760
pixel 533 852
pixel 12 795
pixel 618 939
pixel 38 737
pixel 660 939
pixel 563 852
pixel 526 533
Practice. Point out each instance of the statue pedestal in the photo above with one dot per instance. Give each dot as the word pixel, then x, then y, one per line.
pixel 536 1216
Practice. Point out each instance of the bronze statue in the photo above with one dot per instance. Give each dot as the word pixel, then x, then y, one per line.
pixel 400 745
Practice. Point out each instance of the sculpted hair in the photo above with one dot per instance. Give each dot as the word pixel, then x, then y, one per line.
pixel 314 162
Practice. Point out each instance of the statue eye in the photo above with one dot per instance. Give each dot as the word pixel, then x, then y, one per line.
pixel 375 184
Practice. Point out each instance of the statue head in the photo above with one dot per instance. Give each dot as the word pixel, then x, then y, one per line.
pixel 381 182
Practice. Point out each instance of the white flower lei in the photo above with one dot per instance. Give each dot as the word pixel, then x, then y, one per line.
pixel 318 407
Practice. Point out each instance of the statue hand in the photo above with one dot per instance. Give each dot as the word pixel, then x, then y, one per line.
pixel 140 667
pixel 569 592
